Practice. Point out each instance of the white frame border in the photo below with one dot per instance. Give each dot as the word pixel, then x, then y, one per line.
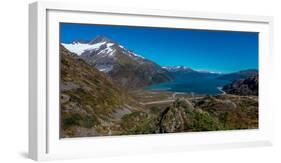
pixel 38 68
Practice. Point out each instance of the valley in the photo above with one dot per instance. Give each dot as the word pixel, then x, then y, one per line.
pixel 108 90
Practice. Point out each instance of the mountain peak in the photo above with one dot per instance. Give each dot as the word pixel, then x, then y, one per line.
pixel 101 47
pixel 100 39
pixel 80 41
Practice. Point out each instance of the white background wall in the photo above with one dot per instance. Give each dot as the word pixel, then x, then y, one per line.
pixel 14 80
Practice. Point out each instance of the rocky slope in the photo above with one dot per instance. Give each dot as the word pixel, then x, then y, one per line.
pixel 125 67
pixel 90 101
pixel 180 116
pixel 243 87
pixel 232 112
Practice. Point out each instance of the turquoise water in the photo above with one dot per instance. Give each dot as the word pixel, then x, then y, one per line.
pixel 199 85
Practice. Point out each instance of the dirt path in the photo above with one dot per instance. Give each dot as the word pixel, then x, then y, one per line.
pixel 220 89
pixel 170 100
pixel 157 102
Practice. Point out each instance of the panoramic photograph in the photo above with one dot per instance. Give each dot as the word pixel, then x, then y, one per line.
pixel 129 80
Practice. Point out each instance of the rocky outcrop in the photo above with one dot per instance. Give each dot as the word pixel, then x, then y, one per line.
pixel 174 118
pixel 180 116
pixel 243 87
pixel 232 111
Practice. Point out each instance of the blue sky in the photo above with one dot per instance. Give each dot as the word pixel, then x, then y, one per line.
pixel 218 51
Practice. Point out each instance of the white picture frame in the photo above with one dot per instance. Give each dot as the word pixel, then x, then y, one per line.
pixel 44 142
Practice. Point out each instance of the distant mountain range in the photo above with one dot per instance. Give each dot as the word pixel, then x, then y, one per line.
pixel 186 69
pixel 178 69
pixel 239 75
pixel 183 72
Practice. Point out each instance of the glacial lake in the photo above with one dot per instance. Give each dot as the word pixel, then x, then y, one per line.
pixel 197 85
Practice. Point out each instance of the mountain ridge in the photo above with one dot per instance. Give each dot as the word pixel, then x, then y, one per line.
pixel 242 74
pixel 125 67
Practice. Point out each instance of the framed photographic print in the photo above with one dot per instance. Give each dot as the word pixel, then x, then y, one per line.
pixel 108 81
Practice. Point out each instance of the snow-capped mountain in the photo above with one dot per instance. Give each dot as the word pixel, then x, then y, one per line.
pixel 79 47
pixel 178 69
pixel 186 69
pixel 101 48
pixel 121 64
pixel 187 73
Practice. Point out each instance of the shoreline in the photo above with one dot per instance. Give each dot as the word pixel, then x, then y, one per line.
pixel 188 93
pixel 222 91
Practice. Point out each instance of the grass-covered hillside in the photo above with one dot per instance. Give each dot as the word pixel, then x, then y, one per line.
pixel 89 99
pixel 211 113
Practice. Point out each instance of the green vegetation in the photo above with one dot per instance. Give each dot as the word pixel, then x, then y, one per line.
pixel 233 112
pixel 203 121
pixel 138 123
pixel 77 120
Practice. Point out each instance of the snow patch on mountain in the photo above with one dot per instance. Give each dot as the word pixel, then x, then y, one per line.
pixel 104 68
pixel 131 54
pixel 136 55
pixel 108 51
pixel 79 48
pixel 187 69
pixel 103 48
pixel 207 71
pixel 95 46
